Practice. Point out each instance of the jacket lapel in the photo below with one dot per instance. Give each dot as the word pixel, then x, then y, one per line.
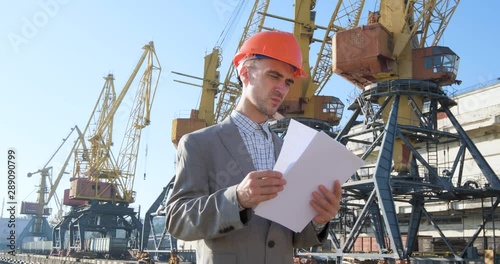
pixel 233 143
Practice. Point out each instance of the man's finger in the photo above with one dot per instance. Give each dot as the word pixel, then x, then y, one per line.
pixel 328 195
pixel 337 188
pixel 268 174
pixel 266 182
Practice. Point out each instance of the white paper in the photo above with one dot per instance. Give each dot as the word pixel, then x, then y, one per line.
pixel 308 159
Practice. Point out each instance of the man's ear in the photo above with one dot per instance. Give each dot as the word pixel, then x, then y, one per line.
pixel 244 75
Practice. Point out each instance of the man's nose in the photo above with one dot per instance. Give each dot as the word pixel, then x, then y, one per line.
pixel 282 87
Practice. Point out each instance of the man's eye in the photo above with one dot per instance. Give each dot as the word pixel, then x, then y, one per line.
pixel 274 76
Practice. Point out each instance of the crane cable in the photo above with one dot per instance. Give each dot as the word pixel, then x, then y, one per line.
pixel 376 4
pixel 229 27
pixel 146 155
pixel 34 189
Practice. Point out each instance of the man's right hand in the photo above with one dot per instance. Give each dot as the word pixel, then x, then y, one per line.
pixel 259 186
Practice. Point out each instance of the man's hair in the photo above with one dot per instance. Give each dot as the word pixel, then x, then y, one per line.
pixel 247 62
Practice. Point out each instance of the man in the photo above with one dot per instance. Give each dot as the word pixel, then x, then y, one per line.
pixel 174 259
pixel 225 170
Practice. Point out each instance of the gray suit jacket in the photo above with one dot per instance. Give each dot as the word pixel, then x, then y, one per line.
pixel 203 205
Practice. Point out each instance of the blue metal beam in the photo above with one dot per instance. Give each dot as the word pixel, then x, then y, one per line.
pixel 474 151
pixel 349 242
pixel 481 227
pixel 414 225
pixel 382 181
pixel 439 231
pixel 340 136
pixel 378 227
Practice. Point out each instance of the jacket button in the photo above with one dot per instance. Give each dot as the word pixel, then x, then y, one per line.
pixel 270 244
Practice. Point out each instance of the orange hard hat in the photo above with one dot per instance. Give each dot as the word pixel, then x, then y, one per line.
pixel 277 45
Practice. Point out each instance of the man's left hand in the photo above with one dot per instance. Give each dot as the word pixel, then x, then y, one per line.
pixel 326 203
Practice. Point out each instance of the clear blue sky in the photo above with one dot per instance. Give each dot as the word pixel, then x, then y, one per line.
pixel 54 53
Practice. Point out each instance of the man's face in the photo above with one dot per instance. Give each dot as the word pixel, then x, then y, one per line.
pixel 267 83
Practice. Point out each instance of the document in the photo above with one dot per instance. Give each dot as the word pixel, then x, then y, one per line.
pixel 308 159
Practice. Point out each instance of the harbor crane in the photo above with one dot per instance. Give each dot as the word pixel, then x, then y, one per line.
pixel 38 226
pixel 102 184
pixel 401 70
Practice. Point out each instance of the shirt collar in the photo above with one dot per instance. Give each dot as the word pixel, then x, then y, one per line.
pixel 247 125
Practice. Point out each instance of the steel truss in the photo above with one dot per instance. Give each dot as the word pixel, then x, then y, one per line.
pixel 380 187
pixel 157 209
pixel 38 227
pixel 105 219
pixel 160 245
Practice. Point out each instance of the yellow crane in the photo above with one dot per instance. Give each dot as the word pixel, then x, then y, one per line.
pixel 208 113
pixel 399 42
pixel 397 62
pixel 395 42
pixel 99 175
pixel 102 183
pixel 39 226
pixel 304 100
